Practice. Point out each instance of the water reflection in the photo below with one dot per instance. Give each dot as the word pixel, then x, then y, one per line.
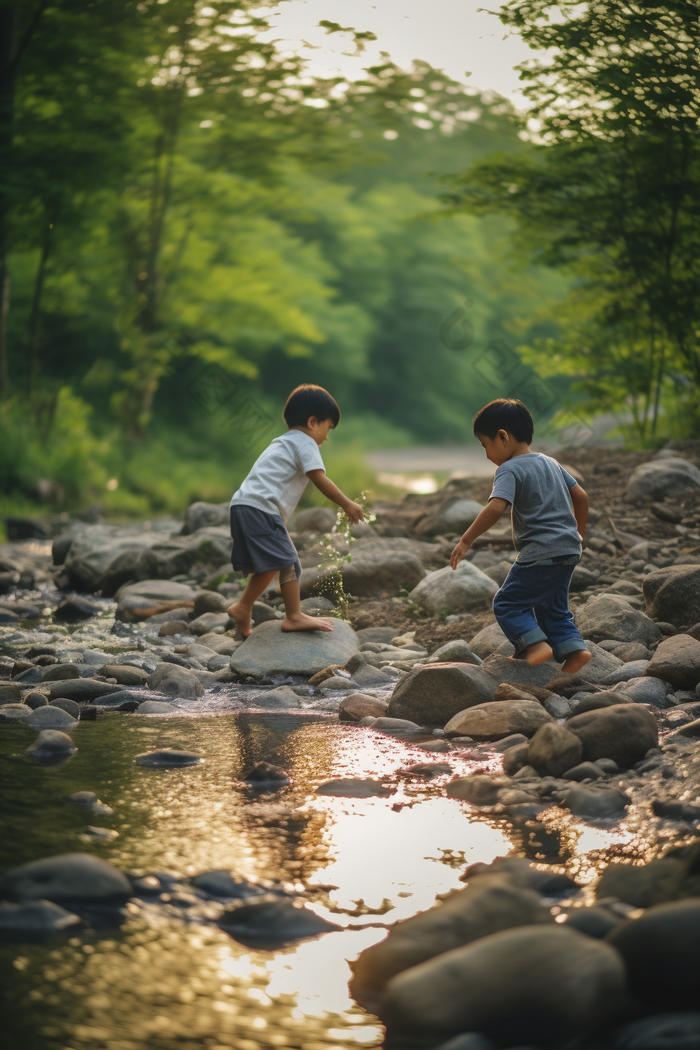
pixel 162 983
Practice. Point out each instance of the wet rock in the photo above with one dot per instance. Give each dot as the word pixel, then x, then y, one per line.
pixel 34 700
pixel 354 788
pixel 677 660
pixel 478 789
pixel 489 904
pixel 34 918
pixel 208 621
pixel 279 699
pixel 611 617
pixel 583 771
pixel 595 803
pixel 269 650
pixel 674 810
pixel 456 651
pixel 59 672
pixel 168 759
pixel 82 690
pixel 493 721
pixel 52 744
pixel 265 773
pixel 70 610
pixel 95 547
pixel 668 1031
pixel 14 712
pixel 137 600
pixel 89 800
pixel 372 573
pixel 428 769
pixel 67 877
pixel 30 676
pixel 488 640
pixel 542 985
pixel 125 674
pixel 156 707
pixel 455 515
pixel 10 693
pixel 435 745
pixel 624 733
pixel 93 834
pixel 432 695
pixel 554 749
pixel 659 478
pixel 273 921
pixel 454 590
pixel 661 950
pixel 175 681
pixel 69 706
pixel 223 883
pixel 51 717
pixel 672 594
pixel 522 873
pixel 395 726
pixel 641 885
pixel 371 677
pixel 595 921
pixel 360 705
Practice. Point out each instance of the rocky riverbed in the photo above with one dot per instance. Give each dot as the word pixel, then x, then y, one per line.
pixel 200 831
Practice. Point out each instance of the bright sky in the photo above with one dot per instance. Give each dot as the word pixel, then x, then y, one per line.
pixel 452 35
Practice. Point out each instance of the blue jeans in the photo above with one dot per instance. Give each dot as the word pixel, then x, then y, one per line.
pixel 533 606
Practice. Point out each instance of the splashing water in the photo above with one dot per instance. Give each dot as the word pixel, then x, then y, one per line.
pixel 335 552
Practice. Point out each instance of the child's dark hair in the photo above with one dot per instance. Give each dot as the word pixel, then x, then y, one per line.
pixel 505 413
pixel 309 400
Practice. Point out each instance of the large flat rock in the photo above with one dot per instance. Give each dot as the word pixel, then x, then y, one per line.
pixel 270 650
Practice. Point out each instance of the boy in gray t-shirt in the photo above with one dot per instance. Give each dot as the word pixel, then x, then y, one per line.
pixel 549 512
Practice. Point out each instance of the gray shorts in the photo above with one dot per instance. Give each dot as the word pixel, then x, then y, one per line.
pixel 261 543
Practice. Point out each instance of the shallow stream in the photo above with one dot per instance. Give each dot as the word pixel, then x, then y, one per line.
pixel 166 980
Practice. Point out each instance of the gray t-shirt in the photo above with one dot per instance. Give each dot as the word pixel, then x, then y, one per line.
pixel 537 487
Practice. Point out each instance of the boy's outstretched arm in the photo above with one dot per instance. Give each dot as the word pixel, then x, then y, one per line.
pixel 579 498
pixel 482 523
pixel 331 491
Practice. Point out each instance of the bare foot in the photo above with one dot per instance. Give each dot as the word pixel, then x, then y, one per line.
pixel 575 661
pixel 302 622
pixel 538 653
pixel 241 615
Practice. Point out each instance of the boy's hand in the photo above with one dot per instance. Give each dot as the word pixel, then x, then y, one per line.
pixel 458 553
pixel 354 511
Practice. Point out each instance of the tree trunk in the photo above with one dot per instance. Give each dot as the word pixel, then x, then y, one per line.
pixel 35 312
pixel 8 47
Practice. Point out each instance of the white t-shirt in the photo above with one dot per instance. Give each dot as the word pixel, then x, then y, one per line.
pixel 278 477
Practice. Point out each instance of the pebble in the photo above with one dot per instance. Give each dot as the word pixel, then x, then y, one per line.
pixel 168 759
pixel 51 744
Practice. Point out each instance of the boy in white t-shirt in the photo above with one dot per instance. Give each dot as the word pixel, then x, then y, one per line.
pixel 262 506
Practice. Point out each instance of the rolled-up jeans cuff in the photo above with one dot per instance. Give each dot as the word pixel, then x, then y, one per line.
pixel 569 645
pixel 529 638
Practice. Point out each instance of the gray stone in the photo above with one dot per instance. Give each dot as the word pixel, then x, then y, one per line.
pixel 202 515
pixel 65 878
pixel 395 726
pixel 537 984
pixel 610 616
pixel 595 803
pixel 583 771
pixel 14 712
pixel 631 669
pixel 488 640
pixel 630 651
pixel 516 757
pixel 454 516
pixel 69 706
pixel 125 675
pixel 210 601
pixel 433 694
pixel 34 700
pixel 280 699
pixel 454 590
pixel 82 690
pixel 676 660
pixel 371 677
pixel 175 681
pixel 168 759
pixel 59 672
pixel 208 621
pixel 493 721
pixel 659 478
pixel 369 574
pixel 156 707
pixel 490 903
pixel 270 650
pixel 273 921
pixel 457 651
pixel 672 594
pixel 136 600
pixel 382 635
pixel 51 717
pixel 558 706
pixel 223 883
pixel 624 733
pixel 354 788
pixel 667 1031
pixel 95 547
pixel 643 691
pixel 661 951
pixel 35 918
pixel 554 749
pixel 478 789
pixel 10 693
pixel 360 705
pixel 93 834
pixel 313 519
pixel 51 743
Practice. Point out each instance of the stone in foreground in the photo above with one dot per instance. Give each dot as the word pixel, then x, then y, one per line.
pixel 455 590
pixel 67 877
pixel 432 695
pixel 273 922
pixel 493 721
pixel 357 788
pixel 35 918
pixel 539 985
pixel 673 594
pixel 676 660
pixel 662 953
pixel 624 733
pixel 270 650
pixel 611 617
